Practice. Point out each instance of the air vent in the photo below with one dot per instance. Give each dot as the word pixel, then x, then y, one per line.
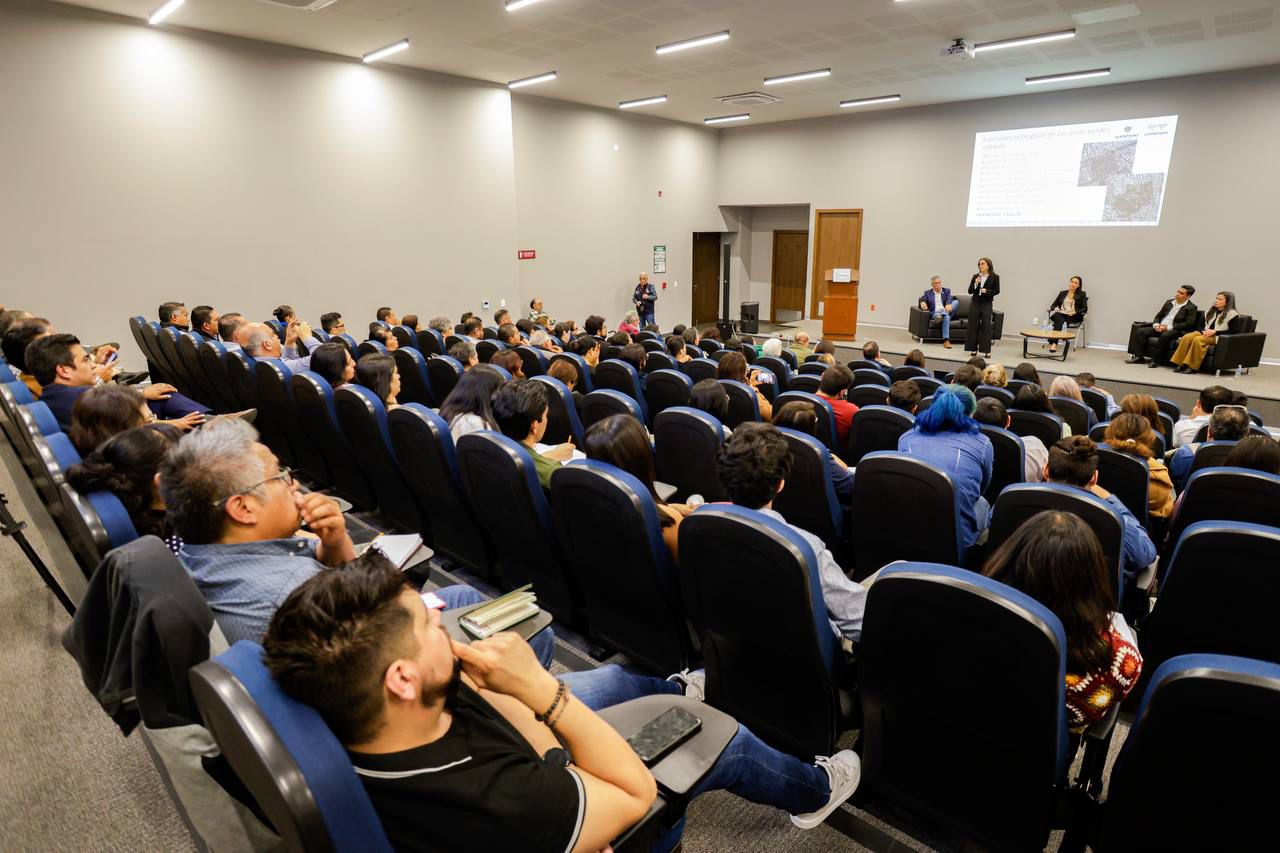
pixel 749 99
pixel 301 5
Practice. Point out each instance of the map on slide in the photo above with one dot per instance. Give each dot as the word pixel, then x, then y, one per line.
pixel 1101 174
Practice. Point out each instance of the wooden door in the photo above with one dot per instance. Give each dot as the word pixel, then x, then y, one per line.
pixel 837 243
pixel 786 289
pixel 706 278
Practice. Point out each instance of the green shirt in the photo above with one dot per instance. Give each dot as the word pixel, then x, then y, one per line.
pixel 544 466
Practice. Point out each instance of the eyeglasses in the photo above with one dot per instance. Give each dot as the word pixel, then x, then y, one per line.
pixel 1232 406
pixel 285 474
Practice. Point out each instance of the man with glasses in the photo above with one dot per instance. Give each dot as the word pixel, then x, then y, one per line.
pixel 65 370
pixel 1174 319
pixel 1226 423
pixel 239 515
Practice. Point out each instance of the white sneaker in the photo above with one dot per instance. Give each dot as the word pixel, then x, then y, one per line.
pixel 694 683
pixel 845 771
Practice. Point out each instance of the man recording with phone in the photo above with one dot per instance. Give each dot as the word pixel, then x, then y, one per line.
pixel 461 746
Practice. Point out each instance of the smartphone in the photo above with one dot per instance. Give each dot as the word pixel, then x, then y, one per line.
pixel 663 734
pixel 112 357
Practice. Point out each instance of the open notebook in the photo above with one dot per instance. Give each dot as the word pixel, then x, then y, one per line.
pixel 501 613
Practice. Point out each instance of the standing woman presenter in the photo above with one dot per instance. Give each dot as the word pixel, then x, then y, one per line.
pixel 983 287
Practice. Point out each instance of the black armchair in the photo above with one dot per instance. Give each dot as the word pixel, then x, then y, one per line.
pixel 918 322
pixel 1240 349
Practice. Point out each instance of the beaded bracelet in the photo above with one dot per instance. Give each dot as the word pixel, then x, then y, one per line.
pixel 551 724
pixel 542 718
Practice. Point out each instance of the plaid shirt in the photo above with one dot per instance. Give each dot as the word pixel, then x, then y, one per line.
pixel 244 583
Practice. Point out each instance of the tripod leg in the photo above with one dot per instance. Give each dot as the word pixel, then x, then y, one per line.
pixel 9 526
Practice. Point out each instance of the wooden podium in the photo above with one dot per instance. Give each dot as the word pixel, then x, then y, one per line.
pixel 840 307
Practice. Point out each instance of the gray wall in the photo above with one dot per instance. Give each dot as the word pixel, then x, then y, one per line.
pixel 908 169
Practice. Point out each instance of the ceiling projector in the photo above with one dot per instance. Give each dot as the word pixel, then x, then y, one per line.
pixel 958 49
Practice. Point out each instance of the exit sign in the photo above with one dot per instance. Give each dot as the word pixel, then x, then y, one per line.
pixel 526 254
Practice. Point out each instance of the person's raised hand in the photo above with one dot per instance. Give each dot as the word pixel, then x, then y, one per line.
pixel 291 334
pixel 158 391
pixel 187 422
pixel 104 352
pixel 304 330
pixel 504 663
pixel 323 518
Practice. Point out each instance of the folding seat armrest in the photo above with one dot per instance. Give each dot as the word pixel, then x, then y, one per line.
pixel 644 833
pixel 1097 743
pixel 686 765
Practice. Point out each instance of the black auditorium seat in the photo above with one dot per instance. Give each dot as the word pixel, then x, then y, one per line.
pixel 686 443
pixel 364 423
pixel 318 418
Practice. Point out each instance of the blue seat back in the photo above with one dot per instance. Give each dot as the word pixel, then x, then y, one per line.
pixel 318 418
pixel 563 423
pixel 928 385
pixel 371 347
pixel 1044 426
pixel 890 486
pixel 732 560
pixel 808 499
pixel 534 360
pixel 363 419
pixel 876 428
pixel 41 417
pixel 431 342
pixel 283 751
pixel 868 395
pixel 1008 459
pixel 1227 494
pixel 700 368
pixel 602 403
pixel 405 336
pixel 114 517
pixel 415 387
pixel 821 408
pixel 618 375
pixel 995 392
pixel 636 606
pixel 443 372
pixel 1077 415
pixel 953 629
pixel 744 406
pixel 807 382
pixel 666 388
pixel 487 349
pixel 687 441
pixel 584 385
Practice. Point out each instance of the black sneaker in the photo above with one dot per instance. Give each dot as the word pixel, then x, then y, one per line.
pixel 1135 359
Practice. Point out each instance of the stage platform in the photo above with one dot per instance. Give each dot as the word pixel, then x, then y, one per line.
pixel 1262 384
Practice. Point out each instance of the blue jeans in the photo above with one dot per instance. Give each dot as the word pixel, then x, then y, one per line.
pixel 748 767
pixel 461 595
pixel 946 318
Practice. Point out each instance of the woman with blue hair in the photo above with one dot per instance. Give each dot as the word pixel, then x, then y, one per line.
pixel 947 436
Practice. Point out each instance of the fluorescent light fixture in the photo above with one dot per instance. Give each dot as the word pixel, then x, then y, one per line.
pixel 384 52
pixel 642 102
pixel 866 102
pixel 803 75
pixel 693 42
pixel 1070 75
pixel 164 11
pixel 1023 41
pixel 726 119
pixel 529 81
pixel 513 5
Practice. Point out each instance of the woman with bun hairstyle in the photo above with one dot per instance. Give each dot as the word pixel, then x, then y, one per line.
pixel 127 466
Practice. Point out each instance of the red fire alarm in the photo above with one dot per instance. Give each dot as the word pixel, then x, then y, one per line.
pixel 664 285
pixel 659 193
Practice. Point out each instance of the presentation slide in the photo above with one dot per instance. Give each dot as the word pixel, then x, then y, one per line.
pixel 1106 173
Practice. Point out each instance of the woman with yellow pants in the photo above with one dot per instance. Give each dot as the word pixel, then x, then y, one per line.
pixel 1193 346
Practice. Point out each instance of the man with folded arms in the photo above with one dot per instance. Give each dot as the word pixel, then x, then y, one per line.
pixel 457 744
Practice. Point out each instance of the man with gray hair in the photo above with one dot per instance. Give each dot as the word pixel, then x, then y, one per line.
pixel 1227 422
pixel 465 353
pixel 239 513
pixel 937 300
pixel 772 347
pixel 800 347
pixel 540 339
pixel 261 341
pixel 441 324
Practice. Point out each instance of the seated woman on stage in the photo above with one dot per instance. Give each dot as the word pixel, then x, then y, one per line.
pixel 1132 434
pixel 1193 346
pixel 1070 307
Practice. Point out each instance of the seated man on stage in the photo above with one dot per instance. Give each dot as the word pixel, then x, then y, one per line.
pixel 1174 319
pixel 937 300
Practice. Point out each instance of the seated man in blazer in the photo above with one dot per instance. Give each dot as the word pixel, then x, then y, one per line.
pixel 937 300
pixel 1174 319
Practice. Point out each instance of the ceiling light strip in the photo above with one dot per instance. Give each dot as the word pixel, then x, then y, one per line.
pixel 384 52
pixel 164 11
pixel 513 5
pixel 698 41
pixel 866 102
pixel 642 102
pixel 803 75
pixel 1023 41
pixel 726 119
pixel 1070 75
pixel 529 81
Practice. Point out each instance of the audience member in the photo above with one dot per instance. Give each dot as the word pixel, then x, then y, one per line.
pixel 465 354
pixel 1065 386
pixel 676 349
pixel 618 339
pixel 1226 423
pixel 1026 372
pixel 1256 452
pixel 204 322
pixel 636 356
pixel 384 336
pixel 127 465
pixel 595 326
pixel 510 361
pixel 630 323
pixel 1056 558
pixel 468 408
pixel 709 396
pixel 995 375
pixel 525 328
pixel 333 363
pixel 568 375
pixel 441 324
pixel 260 341
pixel 772 347
pixel 622 441
pixel 915 358
pixel 1132 434
pixel 754 463
pixel 946 436
pixel 968 376
pixel 562 332
pixel 1144 405
pixel 520 410
pixel 174 314
pixel 1074 462
pixel 502 317
pixel 65 372
pixel 693 338
pixel 332 324
pixel 978 362
pixel 678 329
pixel 1192 348
pixel 229 326
pixel 473 328
pixel 410 322
pixel 588 347
pixel 106 410
pixel 712 334
pixel 1087 380
pixel 905 395
pixel 1184 431
pixel 1032 398
pixel 378 373
pixel 386 315
pixel 834 388
pixel 800 416
pixel 871 352
pixel 543 340
pixel 733 366
pixel 993 412
pixel 536 314
pixel 361 648
pixel 16 339
pixel 509 335
pixel 800 347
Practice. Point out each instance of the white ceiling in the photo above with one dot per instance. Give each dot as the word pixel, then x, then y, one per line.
pixel 604 49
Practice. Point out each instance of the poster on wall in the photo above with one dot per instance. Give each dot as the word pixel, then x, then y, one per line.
pixel 659 259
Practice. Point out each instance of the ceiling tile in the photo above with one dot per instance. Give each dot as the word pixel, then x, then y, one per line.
pixel 593 35
pixel 913 31
pixel 946 10
pixel 494 44
pixel 848 28
pixel 591 14
pixel 864 40
pixel 560 43
pixel 1019 13
pixel 522 36
pixel 798 39
pixel 530 52
pixel 889 20
pixel 627 26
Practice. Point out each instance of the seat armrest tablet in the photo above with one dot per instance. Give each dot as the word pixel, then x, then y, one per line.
pixel 526 629
pixel 686 765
